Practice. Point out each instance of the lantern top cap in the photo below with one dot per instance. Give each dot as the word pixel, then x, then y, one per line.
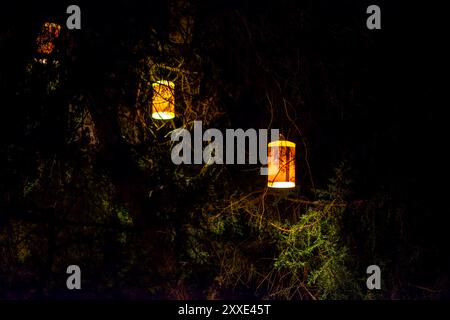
pixel 51 24
pixel 164 83
pixel 52 27
pixel 282 143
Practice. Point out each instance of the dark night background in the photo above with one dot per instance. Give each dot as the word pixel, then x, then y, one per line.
pixel 364 102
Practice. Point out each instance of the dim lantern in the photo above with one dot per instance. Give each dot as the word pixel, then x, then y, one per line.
pixel 281 164
pixel 45 41
pixel 163 101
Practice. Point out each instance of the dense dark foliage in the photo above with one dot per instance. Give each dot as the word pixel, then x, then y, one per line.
pixel 86 176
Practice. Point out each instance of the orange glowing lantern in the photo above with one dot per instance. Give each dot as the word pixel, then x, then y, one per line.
pixel 163 102
pixel 45 41
pixel 281 164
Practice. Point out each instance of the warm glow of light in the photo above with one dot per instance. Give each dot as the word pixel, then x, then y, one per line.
pixel 163 115
pixel 49 32
pixel 282 185
pixel 281 164
pixel 163 101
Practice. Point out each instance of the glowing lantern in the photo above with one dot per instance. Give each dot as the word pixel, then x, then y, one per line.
pixel 281 160
pixel 45 41
pixel 163 102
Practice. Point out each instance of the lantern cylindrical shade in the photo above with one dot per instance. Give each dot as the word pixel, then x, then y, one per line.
pixel 163 101
pixel 281 164
pixel 50 32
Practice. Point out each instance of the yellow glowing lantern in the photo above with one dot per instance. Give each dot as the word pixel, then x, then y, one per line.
pixel 163 102
pixel 45 41
pixel 281 168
